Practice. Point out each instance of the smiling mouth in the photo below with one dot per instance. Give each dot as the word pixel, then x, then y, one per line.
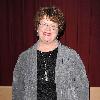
pixel 46 34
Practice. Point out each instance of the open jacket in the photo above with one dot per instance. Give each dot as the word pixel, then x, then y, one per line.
pixel 70 75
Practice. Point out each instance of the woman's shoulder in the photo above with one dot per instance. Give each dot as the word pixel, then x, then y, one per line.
pixel 25 54
pixel 70 55
pixel 70 52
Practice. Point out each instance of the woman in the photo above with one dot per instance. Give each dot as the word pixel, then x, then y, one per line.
pixel 49 70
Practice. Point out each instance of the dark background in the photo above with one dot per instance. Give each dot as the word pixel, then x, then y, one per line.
pixel 82 32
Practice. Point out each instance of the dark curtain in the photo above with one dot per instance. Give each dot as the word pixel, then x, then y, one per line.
pixel 82 32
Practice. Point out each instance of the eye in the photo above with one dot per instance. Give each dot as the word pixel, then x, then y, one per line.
pixel 53 27
pixel 44 24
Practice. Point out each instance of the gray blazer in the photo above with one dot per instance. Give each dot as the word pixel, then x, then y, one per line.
pixel 70 75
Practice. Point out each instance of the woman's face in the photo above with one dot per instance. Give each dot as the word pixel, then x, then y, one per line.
pixel 47 30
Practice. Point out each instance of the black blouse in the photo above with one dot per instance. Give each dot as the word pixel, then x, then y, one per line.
pixel 46 87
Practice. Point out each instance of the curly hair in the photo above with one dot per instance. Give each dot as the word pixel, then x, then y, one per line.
pixel 54 14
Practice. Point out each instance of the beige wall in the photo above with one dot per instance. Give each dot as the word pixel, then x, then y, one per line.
pixel 6 92
pixel 94 93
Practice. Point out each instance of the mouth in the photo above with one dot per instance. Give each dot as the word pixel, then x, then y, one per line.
pixel 46 34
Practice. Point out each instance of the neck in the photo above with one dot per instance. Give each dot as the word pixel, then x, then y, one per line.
pixel 45 47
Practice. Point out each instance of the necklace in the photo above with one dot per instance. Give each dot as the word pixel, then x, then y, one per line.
pixel 46 76
pixel 45 66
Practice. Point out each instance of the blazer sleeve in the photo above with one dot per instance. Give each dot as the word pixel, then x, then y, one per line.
pixel 79 80
pixel 18 80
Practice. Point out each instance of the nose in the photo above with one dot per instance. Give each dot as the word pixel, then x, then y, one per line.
pixel 48 28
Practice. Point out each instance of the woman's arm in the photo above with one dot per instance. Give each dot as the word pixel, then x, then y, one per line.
pixel 18 83
pixel 79 81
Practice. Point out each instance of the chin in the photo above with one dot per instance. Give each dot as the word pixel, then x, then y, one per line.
pixel 48 41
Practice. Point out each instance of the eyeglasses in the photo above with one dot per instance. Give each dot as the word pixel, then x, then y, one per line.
pixel 53 27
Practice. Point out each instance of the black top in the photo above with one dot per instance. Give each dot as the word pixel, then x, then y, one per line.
pixel 46 87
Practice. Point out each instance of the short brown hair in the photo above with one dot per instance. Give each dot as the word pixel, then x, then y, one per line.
pixel 54 14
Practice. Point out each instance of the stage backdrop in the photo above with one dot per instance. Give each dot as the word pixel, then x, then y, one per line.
pixel 82 32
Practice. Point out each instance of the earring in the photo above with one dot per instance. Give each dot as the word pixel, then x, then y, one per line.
pixel 37 33
pixel 57 37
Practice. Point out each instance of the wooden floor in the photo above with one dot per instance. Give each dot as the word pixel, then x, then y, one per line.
pixel 6 93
